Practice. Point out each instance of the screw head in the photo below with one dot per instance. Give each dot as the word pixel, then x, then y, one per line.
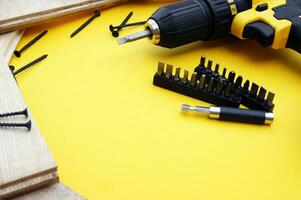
pixel 25 112
pixel 17 53
pixel 97 13
pixel 12 68
pixel 115 34
pixel 28 125
pixel 111 27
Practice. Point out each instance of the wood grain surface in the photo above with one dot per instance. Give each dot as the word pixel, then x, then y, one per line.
pixel 57 191
pixel 25 160
pixel 16 14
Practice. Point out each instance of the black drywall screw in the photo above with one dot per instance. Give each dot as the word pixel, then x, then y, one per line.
pixel 23 112
pixel 28 65
pixel 129 25
pixel 16 125
pixel 34 40
pixel 114 30
pixel 97 14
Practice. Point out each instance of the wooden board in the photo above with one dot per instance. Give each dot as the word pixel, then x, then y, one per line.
pixel 16 14
pixel 26 163
pixel 40 185
pixel 57 191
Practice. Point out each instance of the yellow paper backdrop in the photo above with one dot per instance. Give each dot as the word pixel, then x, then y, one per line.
pixel 116 136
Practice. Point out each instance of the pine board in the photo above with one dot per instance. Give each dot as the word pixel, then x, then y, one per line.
pixel 16 14
pixel 25 160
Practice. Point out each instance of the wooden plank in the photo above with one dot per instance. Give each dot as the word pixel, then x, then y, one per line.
pixel 57 191
pixel 26 162
pixel 40 185
pixel 15 14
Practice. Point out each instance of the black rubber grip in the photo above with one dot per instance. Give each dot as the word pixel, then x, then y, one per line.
pixel 242 115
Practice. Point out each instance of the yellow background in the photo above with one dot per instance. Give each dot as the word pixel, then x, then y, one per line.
pixel 116 136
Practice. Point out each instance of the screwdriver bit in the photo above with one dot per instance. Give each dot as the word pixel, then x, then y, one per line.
pixel 160 70
pixel 261 94
pixel 193 80
pixel 202 81
pixel 168 72
pixel 177 75
pixel 254 90
pixel 185 77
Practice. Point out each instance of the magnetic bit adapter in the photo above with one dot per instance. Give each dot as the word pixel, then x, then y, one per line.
pixel 233 114
pixel 188 21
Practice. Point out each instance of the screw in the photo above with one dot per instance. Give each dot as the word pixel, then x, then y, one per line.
pixel 14 125
pixel 28 65
pixel 129 25
pixel 12 68
pixel 118 28
pixel 34 40
pixel 115 31
pixel 23 112
pixel 97 14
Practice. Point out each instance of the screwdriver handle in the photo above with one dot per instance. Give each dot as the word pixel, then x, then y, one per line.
pixel 241 115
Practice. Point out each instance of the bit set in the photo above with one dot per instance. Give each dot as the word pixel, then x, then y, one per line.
pixel 202 87
pixel 207 84
pixel 253 97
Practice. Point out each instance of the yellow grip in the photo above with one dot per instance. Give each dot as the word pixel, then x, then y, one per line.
pixel 282 27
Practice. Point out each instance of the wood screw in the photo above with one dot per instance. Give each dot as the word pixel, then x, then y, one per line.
pixel 34 40
pixel 97 14
pixel 12 68
pixel 17 125
pixel 23 112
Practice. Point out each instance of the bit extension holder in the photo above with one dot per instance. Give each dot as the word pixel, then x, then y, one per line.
pixel 250 97
pixel 204 88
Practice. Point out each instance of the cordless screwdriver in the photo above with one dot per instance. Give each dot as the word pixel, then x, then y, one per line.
pixel 275 23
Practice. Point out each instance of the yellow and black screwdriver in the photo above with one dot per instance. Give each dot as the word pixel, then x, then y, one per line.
pixel 275 23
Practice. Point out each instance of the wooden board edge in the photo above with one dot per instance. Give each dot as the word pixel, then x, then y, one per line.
pixel 57 191
pixel 32 187
pixel 48 15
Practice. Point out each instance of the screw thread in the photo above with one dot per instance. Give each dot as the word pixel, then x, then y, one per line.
pixel 23 112
pixel 34 40
pixel 133 24
pixel 13 125
pixel 97 14
pixel 126 19
pixel 30 64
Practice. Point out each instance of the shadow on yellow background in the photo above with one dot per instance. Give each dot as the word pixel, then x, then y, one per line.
pixel 116 136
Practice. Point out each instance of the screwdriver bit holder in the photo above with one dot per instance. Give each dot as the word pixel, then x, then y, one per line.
pixel 252 98
pixel 204 88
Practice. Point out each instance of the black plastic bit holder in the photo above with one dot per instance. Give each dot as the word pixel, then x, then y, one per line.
pixel 195 92
pixel 248 99
pixel 252 102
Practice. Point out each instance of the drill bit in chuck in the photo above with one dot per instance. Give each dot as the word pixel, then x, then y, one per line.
pixel 135 36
